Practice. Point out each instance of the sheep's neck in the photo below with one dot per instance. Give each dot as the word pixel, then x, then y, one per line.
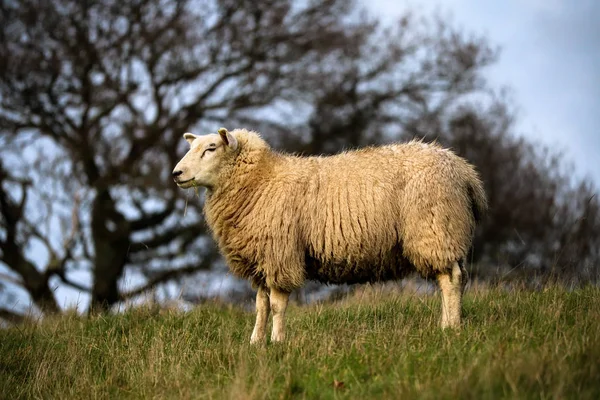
pixel 226 204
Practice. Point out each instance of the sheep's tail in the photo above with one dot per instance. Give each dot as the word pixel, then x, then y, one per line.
pixel 479 201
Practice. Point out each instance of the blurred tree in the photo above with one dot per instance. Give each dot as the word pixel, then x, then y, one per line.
pixel 542 219
pixel 95 95
pixel 94 98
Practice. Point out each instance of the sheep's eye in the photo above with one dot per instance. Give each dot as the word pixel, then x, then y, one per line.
pixel 208 149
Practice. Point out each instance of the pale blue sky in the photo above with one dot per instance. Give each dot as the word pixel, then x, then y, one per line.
pixel 550 58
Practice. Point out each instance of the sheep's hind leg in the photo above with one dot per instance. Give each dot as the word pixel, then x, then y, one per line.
pixel 464 275
pixel 263 308
pixel 452 285
pixel 279 301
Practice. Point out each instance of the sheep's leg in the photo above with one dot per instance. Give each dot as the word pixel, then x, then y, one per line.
pixel 464 275
pixel 263 308
pixel 452 285
pixel 279 301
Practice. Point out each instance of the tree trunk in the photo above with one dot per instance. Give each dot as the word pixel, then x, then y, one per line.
pixel 35 282
pixel 110 231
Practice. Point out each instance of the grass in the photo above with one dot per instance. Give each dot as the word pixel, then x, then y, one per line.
pixel 514 344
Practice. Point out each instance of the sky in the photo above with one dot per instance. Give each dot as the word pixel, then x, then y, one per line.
pixel 549 59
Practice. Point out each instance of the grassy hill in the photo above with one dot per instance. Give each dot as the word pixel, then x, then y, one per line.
pixel 514 344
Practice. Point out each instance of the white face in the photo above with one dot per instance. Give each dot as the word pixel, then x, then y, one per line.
pixel 201 165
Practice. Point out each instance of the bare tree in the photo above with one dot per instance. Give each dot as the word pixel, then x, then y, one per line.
pixel 112 87
pixel 12 247
pixel 542 219
pixel 94 97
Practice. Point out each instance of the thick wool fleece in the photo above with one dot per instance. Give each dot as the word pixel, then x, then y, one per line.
pixel 368 215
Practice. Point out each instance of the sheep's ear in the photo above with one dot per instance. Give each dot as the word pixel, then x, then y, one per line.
pixel 228 138
pixel 190 137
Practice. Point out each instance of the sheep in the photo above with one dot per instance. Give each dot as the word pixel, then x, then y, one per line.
pixel 367 215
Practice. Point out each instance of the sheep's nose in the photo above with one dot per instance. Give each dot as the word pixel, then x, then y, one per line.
pixel 177 173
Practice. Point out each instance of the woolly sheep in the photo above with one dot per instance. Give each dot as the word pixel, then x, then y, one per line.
pixel 368 215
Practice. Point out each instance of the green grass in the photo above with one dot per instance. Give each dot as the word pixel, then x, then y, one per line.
pixel 515 344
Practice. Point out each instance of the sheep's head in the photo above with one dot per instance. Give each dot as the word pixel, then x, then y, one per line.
pixel 203 162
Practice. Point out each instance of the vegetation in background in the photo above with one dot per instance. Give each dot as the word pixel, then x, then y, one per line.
pixel 95 95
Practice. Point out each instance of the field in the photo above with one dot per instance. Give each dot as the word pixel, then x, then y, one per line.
pixel 514 344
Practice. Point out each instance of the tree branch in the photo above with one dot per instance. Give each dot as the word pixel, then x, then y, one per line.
pixel 73 284
pixel 151 220
pixel 167 275
pixel 11 279
pixel 165 237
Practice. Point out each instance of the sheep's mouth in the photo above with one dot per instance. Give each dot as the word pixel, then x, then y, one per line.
pixel 184 183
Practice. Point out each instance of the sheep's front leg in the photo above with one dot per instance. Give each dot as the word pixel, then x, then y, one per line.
pixel 262 315
pixel 452 285
pixel 279 301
